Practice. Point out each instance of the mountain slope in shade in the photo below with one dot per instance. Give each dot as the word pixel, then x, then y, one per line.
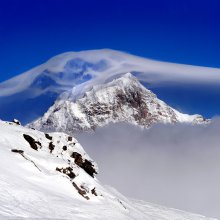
pixel 123 99
pixel 40 86
pixel 50 176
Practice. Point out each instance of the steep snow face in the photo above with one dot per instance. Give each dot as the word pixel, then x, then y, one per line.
pixel 40 86
pixel 123 99
pixel 50 176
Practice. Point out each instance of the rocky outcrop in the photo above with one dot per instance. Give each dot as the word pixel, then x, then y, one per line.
pixel 48 136
pixel 31 141
pixel 16 122
pixel 67 171
pixel 62 154
pixel 84 164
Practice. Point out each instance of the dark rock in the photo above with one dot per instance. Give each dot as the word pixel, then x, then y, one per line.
pixel 64 148
pixel 39 143
pixel 85 165
pixel 17 151
pixel 78 158
pixel 80 191
pixel 93 191
pixel 48 136
pixel 16 122
pixel 51 147
pixel 70 138
pixel 89 168
pixel 67 171
pixel 31 141
pixel 71 175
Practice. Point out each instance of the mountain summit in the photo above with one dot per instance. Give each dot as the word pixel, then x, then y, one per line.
pixel 121 99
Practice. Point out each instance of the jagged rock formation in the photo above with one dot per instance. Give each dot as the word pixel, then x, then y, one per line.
pixel 123 99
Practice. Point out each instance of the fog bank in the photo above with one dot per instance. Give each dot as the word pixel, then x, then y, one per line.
pixel 174 165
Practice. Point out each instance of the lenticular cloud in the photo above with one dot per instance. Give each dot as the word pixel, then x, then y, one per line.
pixel 74 68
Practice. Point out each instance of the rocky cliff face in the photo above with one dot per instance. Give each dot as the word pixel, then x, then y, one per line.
pixel 123 99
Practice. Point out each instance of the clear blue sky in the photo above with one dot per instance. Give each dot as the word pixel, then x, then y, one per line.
pixel 183 31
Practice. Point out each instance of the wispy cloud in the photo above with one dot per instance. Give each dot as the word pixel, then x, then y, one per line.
pixel 174 165
pixel 147 70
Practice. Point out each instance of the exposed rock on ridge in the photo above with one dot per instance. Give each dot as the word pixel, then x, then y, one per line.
pixel 123 99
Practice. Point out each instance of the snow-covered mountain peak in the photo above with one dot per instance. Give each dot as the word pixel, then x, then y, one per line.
pixel 123 80
pixel 123 99
pixel 121 83
pixel 82 70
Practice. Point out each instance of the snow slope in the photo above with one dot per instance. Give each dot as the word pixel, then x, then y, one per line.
pixel 123 99
pixel 41 85
pixel 40 179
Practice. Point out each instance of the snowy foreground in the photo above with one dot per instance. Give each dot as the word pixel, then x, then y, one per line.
pixel 50 176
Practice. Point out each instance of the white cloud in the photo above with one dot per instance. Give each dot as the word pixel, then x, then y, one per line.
pixel 151 71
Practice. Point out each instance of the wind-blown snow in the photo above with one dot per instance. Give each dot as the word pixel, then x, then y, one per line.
pixel 32 188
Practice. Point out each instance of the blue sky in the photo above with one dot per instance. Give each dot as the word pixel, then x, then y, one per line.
pixel 178 31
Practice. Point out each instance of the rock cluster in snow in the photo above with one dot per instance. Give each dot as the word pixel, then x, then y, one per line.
pixel 73 160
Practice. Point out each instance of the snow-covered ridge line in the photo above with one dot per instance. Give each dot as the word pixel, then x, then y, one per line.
pixel 123 99
pixel 43 177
